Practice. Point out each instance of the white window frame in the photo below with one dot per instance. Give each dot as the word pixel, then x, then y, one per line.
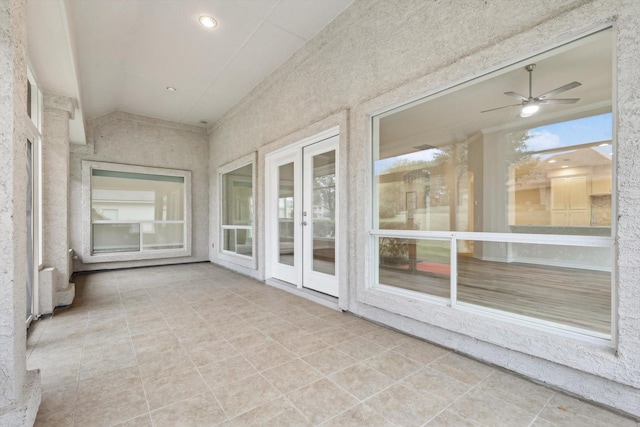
pixel 609 340
pixel 33 129
pixel 89 257
pixel 230 256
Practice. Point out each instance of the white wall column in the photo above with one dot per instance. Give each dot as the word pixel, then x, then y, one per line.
pixel 55 289
pixel 20 391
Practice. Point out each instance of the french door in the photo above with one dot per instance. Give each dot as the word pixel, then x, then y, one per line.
pixel 302 215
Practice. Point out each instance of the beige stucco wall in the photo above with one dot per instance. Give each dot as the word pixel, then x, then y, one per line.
pixel 54 289
pixel 382 53
pixel 20 390
pixel 142 141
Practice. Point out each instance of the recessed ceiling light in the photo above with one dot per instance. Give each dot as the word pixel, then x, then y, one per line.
pixel 171 89
pixel 208 21
pixel 552 161
pixel 204 122
pixel 604 144
pixel 564 166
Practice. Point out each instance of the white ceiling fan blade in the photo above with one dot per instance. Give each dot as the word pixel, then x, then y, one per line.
pixel 559 101
pixel 500 108
pixel 556 91
pixel 516 95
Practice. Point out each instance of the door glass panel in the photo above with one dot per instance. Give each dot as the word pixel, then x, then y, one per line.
pixel 285 213
pixel 323 213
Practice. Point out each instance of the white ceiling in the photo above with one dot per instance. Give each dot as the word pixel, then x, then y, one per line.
pixel 125 53
pixel 455 115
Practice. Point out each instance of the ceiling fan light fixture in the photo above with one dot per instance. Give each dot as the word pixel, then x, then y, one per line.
pixel 208 21
pixel 529 110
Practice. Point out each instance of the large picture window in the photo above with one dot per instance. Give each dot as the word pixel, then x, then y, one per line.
pixel 496 195
pixel 237 243
pixel 136 212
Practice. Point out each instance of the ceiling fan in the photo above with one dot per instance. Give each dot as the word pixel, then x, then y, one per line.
pixel 530 105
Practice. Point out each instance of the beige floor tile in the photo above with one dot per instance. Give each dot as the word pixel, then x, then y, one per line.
pixel 329 360
pixel 226 371
pixel 451 419
pixel 54 374
pixel 292 375
pixel 141 421
pixel 393 365
pixel 198 411
pixel 106 359
pixel 419 351
pixel 336 336
pixel 110 398
pixel 361 381
pixel 355 325
pixel 314 325
pixel 237 328
pixel 540 422
pixel 269 357
pixel 278 412
pixel 250 341
pixel 360 348
pixel 158 364
pixel 385 337
pixel 525 394
pixel 305 345
pixel 245 394
pixel 284 333
pixel 436 384
pixel 462 368
pixel 563 410
pixel 487 409
pixel 173 386
pixel 404 407
pixel 57 407
pixel 153 343
pixel 361 415
pixel 206 352
pixel 321 400
pixel 200 314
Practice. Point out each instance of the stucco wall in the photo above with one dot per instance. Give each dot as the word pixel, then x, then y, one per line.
pixel 141 141
pixel 55 188
pixel 382 53
pixel 20 390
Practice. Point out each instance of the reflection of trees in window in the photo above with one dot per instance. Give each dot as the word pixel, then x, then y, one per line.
pixel 324 195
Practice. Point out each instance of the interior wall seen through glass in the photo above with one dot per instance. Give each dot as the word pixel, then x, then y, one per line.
pixel 459 161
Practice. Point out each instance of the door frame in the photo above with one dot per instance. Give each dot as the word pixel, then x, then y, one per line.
pixel 269 204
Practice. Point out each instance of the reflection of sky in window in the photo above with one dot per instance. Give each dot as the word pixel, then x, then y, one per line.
pixel 548 137
pixel 573 132
pixel 424 155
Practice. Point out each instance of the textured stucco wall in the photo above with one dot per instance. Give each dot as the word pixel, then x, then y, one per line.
pixel 382 53
pixel 19 392
pixel 55 193
pixel 142 141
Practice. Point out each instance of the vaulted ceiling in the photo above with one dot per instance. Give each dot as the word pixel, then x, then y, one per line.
pixel 116 55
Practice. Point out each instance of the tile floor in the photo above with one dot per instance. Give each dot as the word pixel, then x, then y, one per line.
pixel 197 345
